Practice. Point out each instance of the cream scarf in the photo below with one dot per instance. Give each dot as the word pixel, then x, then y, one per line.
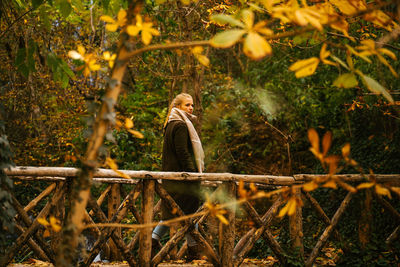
pixel 180 115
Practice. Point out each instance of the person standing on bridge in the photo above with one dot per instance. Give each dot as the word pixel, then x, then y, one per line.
pixel 182 152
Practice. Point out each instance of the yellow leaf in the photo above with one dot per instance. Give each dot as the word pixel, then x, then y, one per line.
pixel 81 50
pixel 346 150
pixel 55 224
pixel 128 123
pixel 111 163
pixel 326 142
pixel 203 60
pixel 226 38
pixel 43 221
pixel 330 184
pixel 382 191
pixel 136 133
pixel 332 162
pixel 107 19
pixel 324 53
pixel 112 27
pixel 284 210
pixel 248 18
pixel 365 185
pixel 123 175
pixel 132 30
pixel 241 190
pixel 387 52
pixel 253 188
pixel 121 17
pixel 197 50
pixel 346 80
pixel 222 218
pixel 310 186
pixel 305 67
pixel 256 47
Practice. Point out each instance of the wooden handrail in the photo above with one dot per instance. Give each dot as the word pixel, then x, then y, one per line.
pixel 110 176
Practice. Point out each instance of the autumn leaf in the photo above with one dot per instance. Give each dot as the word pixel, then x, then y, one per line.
pixel 128 123
pixel 310 186
pixel 197 52
pixel 326 142
pixel 55 224
pixel 330 184
pixel 381 190
pixel 223 19
pixel 375 87
pixel 112 25
pixel 107 56
pixel 43 221
pixel 324 54
pixel 145 28
pixel 306 67
pixel 365 185
pixel 227 38
pixel 346 150
pixel 136 133
pixel 113 165
pixel 256 47
pixel 347 80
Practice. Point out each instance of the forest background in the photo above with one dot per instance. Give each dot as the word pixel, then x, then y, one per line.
pixel 254 113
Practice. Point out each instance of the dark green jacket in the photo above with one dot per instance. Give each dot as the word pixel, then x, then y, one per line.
pixel 177 148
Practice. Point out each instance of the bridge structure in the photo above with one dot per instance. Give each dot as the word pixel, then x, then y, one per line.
pixel 121 213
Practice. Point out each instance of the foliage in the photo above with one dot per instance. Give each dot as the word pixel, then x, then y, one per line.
pixel 6 186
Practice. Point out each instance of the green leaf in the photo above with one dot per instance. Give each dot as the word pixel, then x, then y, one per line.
pixel 227 38
pixel 65 8
pixel 375 87
pixel 44 17
pixel 347 80
pixel 338 60
pixel 21 56
pixel 64 80
pixel 66 69
pixel 224 19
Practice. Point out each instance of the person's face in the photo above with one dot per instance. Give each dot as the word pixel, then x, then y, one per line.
pixel 187 105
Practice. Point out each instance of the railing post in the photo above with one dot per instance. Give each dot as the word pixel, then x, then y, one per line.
pixel 147 214
pixel 296 227
pixel 228 231
pixel 114 200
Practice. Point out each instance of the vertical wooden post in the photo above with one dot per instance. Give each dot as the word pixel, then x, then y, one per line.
pixel 114 200
pixel 296 227
pixel 147 214
pixel 228 231
pixel 59 213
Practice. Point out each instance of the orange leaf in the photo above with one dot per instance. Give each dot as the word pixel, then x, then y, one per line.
pixel 382 191
pixel 310 186
pixel 326 142
pixel 365 185
pixel 314 139
pixel 330 184
pixel 346 150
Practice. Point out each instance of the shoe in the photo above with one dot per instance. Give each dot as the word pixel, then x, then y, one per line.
pixel 155 247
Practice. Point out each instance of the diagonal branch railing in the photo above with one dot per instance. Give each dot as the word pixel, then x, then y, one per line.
pixel 226 252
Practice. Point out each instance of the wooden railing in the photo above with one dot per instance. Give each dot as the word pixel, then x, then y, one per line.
pixel 139 208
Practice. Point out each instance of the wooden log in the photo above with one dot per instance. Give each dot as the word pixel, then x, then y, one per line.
pixel 179 176
pixel 24 217
pixel 169 201
pixel 314 203
pixel 106 233
pixel 324 237
pixel 207 248
pixel 381 178
pixel 272 243
pixel 114 199
pixel 147 215
pixel 228 231
pixel 296 227
pixel 58 212
pixel 135 239
pixel 31 230
pixel 42 195
pixel 101 197
pixel 173 241
pixel 32 244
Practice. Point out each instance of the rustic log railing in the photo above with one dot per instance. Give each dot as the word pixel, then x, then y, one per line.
pixel 139 205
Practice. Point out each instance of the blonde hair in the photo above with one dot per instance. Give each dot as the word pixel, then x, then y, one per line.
pixel 178 100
